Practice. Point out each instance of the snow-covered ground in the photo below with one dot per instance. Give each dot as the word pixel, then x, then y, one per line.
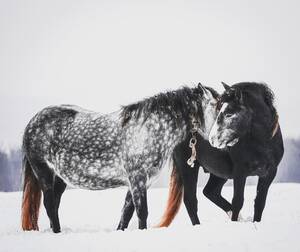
pixel 89 218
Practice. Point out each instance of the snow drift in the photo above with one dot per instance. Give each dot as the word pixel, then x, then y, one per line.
pixel 89 219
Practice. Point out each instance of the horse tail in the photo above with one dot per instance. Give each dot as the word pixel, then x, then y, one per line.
pixel 31 198
pixel 174 198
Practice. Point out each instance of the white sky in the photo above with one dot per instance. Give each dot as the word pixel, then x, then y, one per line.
pixel 102 54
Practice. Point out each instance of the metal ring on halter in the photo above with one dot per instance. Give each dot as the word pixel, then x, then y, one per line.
pixel 193 141
pixel 190 162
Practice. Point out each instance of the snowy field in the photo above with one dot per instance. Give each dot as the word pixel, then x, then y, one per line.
pixel 89 218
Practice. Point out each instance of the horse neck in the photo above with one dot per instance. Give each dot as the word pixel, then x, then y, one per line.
pixel 259 134
pixel 262 127
pixel 172 129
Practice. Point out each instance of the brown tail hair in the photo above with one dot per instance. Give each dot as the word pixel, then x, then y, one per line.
pixel 174 198
pixel 31 198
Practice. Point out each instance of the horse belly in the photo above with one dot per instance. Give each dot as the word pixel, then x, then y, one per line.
pixel 92 176
pixel 217 172
pixel 221 169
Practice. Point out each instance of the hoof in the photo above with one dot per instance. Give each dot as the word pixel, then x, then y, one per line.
pixel 240 218
pixel 56 230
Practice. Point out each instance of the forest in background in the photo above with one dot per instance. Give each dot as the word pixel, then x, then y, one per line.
pixel 11 168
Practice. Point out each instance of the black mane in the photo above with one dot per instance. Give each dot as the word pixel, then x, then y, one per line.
pixel 258 89
pixel 251 91
pixel 255 87
pixel 178 104
pixel 257 96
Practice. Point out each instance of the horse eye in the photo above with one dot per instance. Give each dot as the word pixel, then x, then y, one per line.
pixel 228 115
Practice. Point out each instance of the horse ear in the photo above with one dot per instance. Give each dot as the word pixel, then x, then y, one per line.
pixel 209 93
pixel 206 92
pixel 227 87
pixel 200 86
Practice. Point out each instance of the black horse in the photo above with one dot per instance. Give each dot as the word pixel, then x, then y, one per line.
pixel 247 141
pixel 84 149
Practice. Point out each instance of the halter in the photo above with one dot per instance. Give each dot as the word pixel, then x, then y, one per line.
pixel 276 127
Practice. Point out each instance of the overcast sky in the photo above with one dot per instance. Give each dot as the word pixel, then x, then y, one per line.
pixel 103 54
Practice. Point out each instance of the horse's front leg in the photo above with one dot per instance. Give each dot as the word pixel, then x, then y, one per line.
pixel 139 196
pixel 261 194
pixel 238 196
pixel 127 212
pixel 212 191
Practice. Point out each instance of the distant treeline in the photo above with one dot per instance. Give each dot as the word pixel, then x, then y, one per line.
pixel 10 170
pixel 289 170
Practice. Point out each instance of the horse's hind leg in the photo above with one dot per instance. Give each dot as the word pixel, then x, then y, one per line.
pixel 127 212
pixel 139 197
pixel 261 195
pixel 59 188
pixel 46 178
pixel 212 191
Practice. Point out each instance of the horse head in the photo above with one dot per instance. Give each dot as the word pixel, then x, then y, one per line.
pixel 233 120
